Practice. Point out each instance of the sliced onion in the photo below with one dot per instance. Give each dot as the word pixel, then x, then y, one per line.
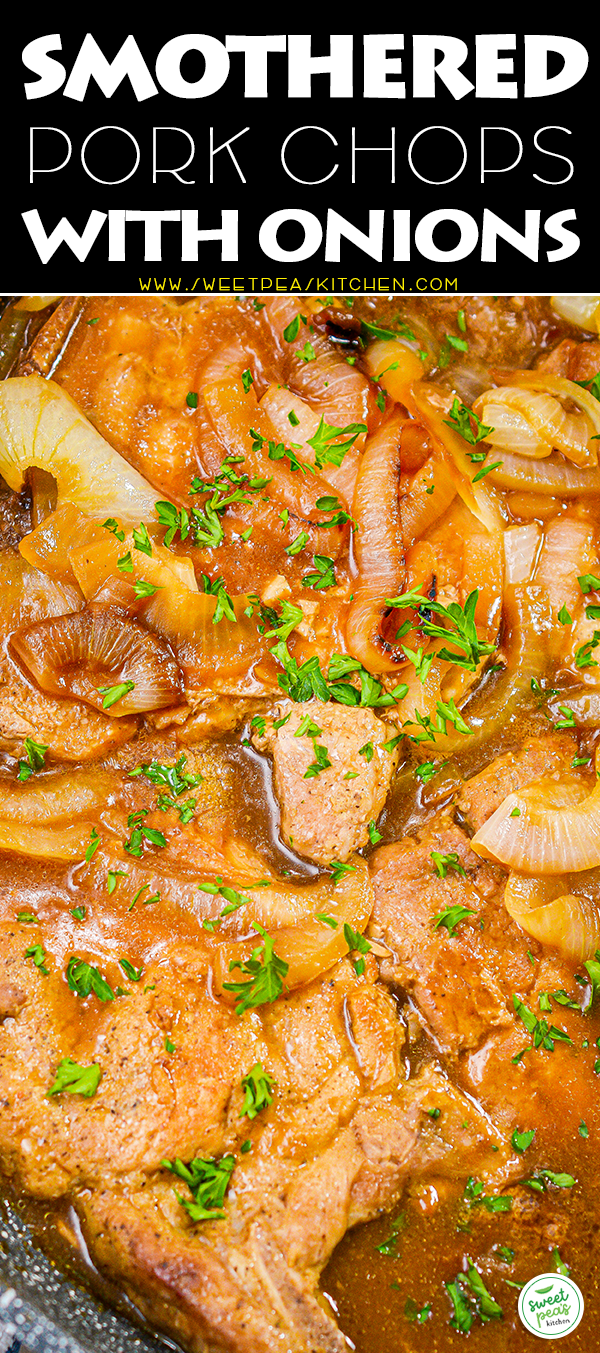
pixel 75 655
pixel 556 829
pixel 555 476
pixel 28 595
pixel 341 393
pixel 278 402
pixel 528 624
pixel 395 365
pixel 235 414
pixel 536 398
pixel 205 650
pixel 40 425
pixel 568 551
pixel 48 546
pixel 379 549
pixel 425 495
pixel 433 404
pixel 45 843
pixel 581 310
pixel 37 818
pixel 53 798
pixel 312 947
pixel 95 563
pixel 556 911
pixel 521 548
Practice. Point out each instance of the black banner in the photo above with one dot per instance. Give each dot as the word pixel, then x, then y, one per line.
pixel 160 160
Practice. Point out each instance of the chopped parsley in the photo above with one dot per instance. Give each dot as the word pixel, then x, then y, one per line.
pixel 93 846
pixel 412 1311
pixel 112 694
pixel 233 899
pixel 324 575
pixel 141 833
pixel 84 979
pixel 328 451
pixel 258 1085
pixel 460 627
pixel 174 777
pixel 132 974
pixel 35 753
pixel 75 1079
pixel 207 1181
pixel 543 1035
pixel 320 763
pixel 338 870
pixel 113 526
pixel 521 1141
pixel 466 423
pixel 36 952
pixel 141 540
pixel 265 972
pixel 389 1246
pixel 451 918
pixel 357 943
pixel 443 863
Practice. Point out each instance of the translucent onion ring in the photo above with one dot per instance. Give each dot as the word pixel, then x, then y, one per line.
pixel 551 911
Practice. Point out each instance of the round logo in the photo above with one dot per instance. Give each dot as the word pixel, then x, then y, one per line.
pixel 550 1306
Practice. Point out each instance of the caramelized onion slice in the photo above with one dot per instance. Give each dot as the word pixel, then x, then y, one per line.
pixel 40 425
pixel 546 828
pixel 53 798
pixel 555 476
pixel 379 550
pixel 529 417
pixel 312 947
pixel 528 625
pixel 581 310
pixel 205 649
pixel 45 843
pixel 433 406
pixel 562 911
pixel 77 654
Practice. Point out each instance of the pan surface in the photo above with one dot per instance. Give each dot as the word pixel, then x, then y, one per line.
pixel 50 1312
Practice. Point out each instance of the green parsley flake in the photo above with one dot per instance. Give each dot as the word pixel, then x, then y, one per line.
pixel 76 1080
pixel 258 1086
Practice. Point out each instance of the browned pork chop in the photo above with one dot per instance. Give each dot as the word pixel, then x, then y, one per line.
pixel 347 1127
pixel 326 815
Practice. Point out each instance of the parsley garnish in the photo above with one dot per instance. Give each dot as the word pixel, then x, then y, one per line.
pixel 75 1079
pixel 112 694
pixel 461 629
pixel 113 526
pixel 543 1035
pixel 35 753
pixel 265 971
pixel 443 863
pixel 338 870
pixel 258 1085
pixel 357 943
pixel 132 974
pixel 207 1181
pixel 522 1140
pixel 141 540
pixel 461 420
pixel 36 952
pixel 83 979
pixel 451 918
pixel 328 451
pixel 93 846
pixel 324 575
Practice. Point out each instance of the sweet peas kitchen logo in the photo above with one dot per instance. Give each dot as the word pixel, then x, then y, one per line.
pixel 550 1305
